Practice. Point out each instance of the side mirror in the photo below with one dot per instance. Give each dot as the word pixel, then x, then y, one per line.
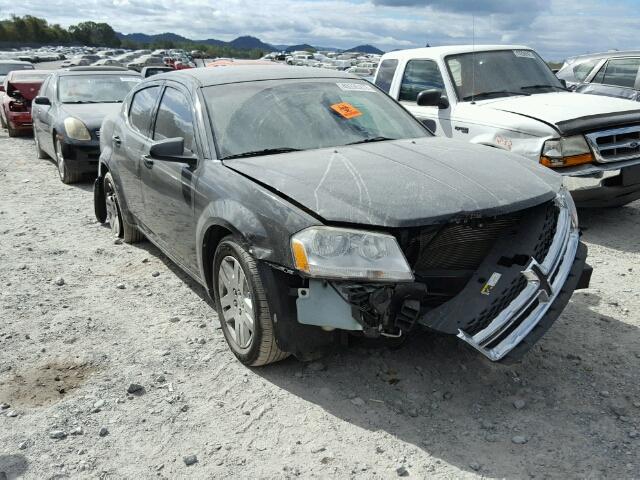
pixel 432 98
pixel 42 101
pixel 171 150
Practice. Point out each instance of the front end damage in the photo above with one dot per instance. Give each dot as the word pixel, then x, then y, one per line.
pixel 497 283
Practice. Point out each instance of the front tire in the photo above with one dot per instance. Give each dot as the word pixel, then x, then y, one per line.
pixel 41 154
pixel 242 306
pixel 67 176
pixel 120 228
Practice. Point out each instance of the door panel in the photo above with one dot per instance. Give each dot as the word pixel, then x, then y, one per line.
pixel 168 187
pixel 131 141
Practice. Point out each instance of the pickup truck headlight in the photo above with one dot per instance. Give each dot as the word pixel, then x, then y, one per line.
pixel 328 252
pixel 76 129
pixel 566 152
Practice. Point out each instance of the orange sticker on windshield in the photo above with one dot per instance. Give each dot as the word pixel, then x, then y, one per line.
pixel 346 110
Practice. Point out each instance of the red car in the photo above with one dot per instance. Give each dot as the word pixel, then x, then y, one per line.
pixel 20 87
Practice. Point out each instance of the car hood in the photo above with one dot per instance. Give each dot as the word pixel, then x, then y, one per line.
pixel 91 114
pixel 560 108
pixel 404 182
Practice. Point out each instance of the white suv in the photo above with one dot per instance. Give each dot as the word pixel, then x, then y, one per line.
pixel 507 97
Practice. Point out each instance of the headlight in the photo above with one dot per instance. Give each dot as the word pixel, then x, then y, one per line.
pixel 76 129
pixel 564 198
pixel 566 152
pixel 329 252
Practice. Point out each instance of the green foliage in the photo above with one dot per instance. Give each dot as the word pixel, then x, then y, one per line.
pixel 30 30
pixel 33 30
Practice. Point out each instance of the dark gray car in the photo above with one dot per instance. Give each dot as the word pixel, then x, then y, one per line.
pixel 312 206
pixel 68 112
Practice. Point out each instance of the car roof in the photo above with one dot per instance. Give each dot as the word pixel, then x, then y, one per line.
pixel 441 52
pixel 18 62
pixel 612 54
pixel 206 77
pixel 20 73
pixel 65 73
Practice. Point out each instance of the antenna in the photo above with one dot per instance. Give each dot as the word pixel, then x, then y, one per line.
pixel 473 58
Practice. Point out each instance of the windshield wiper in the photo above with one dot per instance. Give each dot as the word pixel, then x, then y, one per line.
pixel 478 96
pixel 536 87
pixel 258 153
pixel 76 102
pixel 371 140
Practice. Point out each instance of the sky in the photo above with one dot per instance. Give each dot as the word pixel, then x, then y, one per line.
pixel 555 28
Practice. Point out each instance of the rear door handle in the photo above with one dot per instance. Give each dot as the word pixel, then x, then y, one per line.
pixel 116 140
pixel 148 162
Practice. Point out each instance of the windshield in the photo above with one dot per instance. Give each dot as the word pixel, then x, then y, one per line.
pixel 305 114
pixel 95 88
pixel 8 67
pixel 500 73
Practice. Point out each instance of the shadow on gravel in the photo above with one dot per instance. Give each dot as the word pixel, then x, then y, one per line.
pixel 441 397
pixel 617 228
pixel 12 466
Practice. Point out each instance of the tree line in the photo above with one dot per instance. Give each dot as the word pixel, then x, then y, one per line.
pixel 29 30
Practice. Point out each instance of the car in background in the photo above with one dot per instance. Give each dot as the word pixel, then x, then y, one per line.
pixel 107 62
pixel 576 70
pixel 616 76
pixel 506 97
pixel 312 206
pixel 80 61
pixel 145 61
pixel 149 71
pixel 20 87
pixel 7 66
pixel 68 112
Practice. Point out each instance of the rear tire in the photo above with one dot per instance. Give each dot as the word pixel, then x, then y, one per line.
pixel 67 175
pixel 242 306
pixel 12 132
pixel 2 121
pixel 120 228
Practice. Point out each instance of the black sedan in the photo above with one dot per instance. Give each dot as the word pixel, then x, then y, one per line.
pixel 68 112
pixel 312 206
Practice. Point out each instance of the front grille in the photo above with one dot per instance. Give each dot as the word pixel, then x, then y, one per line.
pixel 616 144
pixel 458 246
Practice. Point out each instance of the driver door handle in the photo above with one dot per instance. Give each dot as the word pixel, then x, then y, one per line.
pixel 148 161
pixel 116 140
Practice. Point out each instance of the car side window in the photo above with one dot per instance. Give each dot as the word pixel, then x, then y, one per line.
pixel 385 74
pixel 582 70
pixel 174 118
pixel 420 75
pixel 621 72
pixel 141 109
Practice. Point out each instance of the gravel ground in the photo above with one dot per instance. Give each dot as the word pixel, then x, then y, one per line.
pixel 113 365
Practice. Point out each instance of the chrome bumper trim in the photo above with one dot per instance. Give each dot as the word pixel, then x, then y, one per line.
pixel 544 284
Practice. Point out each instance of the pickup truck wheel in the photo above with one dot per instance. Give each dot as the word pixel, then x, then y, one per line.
pixel 242 306
pixel 67 175
pixel 3 123
pixel 41 154
pixel 119 226
pixel 12 132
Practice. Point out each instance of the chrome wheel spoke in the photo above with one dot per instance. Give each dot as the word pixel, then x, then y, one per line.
pixel 236 303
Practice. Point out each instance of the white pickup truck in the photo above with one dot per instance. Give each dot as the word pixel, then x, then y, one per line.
pixel 507 97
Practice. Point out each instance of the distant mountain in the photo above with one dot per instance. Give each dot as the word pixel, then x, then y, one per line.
pixel 245 42
pixel 301 47
pixel 250 43
pixel 366 49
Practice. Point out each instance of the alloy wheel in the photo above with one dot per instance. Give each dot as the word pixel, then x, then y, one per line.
pixel 237 303
pixel 60 160
pixel 113 215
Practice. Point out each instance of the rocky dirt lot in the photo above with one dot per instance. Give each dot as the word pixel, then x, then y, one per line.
pixel 112 365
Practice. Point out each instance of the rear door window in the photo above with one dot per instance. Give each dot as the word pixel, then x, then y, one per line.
pixel 420 75
pixel 174 118
pixel 141 109
pixel 621 72
pixel 385 74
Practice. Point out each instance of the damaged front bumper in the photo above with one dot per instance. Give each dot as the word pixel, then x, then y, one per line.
pixel 502 323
